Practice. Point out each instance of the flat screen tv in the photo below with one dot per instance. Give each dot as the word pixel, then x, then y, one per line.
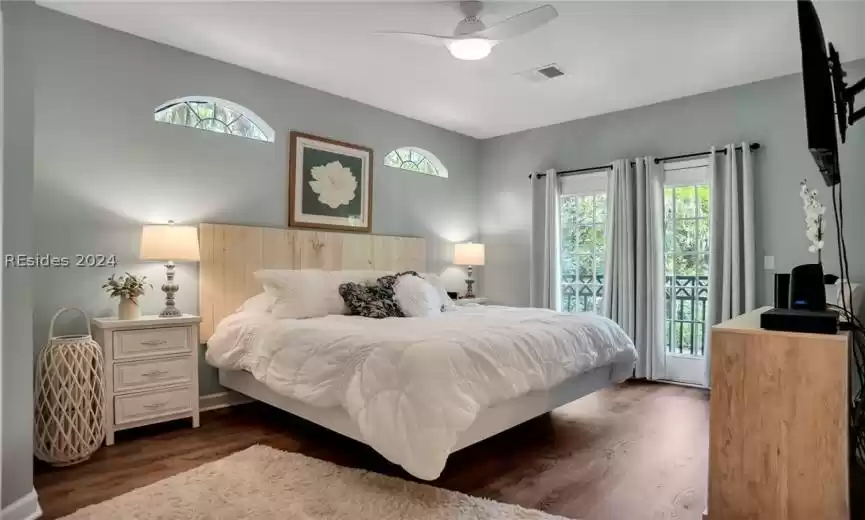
pixel 819 94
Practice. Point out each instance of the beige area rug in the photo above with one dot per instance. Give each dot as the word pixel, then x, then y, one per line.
pixel 264 483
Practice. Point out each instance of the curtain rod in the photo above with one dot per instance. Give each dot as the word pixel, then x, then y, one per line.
pixel 566 173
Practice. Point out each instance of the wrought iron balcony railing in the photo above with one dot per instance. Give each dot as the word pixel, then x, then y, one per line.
pixel 686 301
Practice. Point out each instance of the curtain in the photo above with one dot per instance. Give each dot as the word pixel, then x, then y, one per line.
pixel 732 271
pixel 634 264
pixel 545 281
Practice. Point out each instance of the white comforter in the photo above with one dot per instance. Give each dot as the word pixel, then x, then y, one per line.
pixel 413 384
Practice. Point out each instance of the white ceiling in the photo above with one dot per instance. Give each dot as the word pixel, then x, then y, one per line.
pixel 617 55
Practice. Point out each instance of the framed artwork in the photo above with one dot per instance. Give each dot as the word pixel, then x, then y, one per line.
pixel 329 184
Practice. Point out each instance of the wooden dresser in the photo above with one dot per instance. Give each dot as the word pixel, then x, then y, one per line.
pixel 151 370
pixel 778 437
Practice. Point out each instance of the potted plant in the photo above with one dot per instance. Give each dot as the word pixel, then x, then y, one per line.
pixel 128 288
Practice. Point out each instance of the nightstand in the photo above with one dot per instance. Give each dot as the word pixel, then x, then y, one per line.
pixel 151 370
pixel 471 301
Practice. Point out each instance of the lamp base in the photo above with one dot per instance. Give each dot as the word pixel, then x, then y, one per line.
pixel 169 288
pixel 170 312
pixel 470 293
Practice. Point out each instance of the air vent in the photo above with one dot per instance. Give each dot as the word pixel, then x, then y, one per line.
pixel 551 71
pixel 541 74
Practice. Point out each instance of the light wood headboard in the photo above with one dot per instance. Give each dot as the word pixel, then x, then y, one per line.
pixel 231 254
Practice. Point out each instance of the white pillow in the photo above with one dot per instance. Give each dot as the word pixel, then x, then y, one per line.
pixel 309 293
pixel 262 302
pixel 436 281
pixel 416 297
pixel 299 294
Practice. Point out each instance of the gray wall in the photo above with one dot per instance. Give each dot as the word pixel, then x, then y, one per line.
pixel 104 167
pixel 769 112
pixel 17 478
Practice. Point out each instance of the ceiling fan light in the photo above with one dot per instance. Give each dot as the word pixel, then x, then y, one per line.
pixel 470 48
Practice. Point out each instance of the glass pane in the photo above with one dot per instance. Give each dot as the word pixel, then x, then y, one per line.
pixel 229 114
pixel 703 234
pixel 668 236
pixel 163 116
pixel 221 114
pixel 256 133
pixel 686 346
pixel 676 342
pixel 568 265
pixel 685 202
pixel 702 267
pixel 392 160
pixel 685 265
pixel 182 114
pixel 699 339
pixel 598 231
pixel 601 207
pixel 684 311
pixel 569 298
pixel 585 238
pixel 427 167
pixel 599 269
pixel 585 209
pixel 685 235
pixel 703 200
pixel 668 204
pixel 667 326
pixel 213 125
pixel 586 270
pixel 568 236
pixel 668 263
pixel 242 127
pixel 205 110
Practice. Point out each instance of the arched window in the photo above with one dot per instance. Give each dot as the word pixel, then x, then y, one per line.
pixel 416 160
pixel 214 115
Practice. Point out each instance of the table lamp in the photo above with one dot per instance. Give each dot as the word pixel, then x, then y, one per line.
pixel 469 254
pixel 171 244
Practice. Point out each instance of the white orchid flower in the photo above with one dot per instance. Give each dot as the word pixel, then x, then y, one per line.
pixel 814 211
pixel 334 184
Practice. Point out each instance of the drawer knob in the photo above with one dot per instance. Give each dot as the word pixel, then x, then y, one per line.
pixel 155 373
pixel 155 406
pixel 153 342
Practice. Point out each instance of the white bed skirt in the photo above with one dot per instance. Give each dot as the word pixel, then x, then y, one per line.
pixel 491 421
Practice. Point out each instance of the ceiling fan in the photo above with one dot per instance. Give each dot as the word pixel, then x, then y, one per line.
pixel 472 40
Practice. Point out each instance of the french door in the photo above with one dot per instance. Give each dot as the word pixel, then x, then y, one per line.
pixel 686 271
pixel 686 260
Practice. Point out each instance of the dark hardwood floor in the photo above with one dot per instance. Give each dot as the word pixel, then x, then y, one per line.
pixel 635 452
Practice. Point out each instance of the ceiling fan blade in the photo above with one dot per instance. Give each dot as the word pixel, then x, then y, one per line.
pixel 517 25
pixel 434 39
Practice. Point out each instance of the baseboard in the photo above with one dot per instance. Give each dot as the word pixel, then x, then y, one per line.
pixel 25 508
pixel 220 400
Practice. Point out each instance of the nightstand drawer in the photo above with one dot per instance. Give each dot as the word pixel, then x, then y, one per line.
pixel 130 344
pixel 140 375
pixel 139 407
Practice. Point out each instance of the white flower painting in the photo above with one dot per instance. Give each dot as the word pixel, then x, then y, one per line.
pixel 334 184
pixel 330 184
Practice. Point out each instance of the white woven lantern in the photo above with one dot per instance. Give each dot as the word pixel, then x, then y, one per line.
pixel 70 409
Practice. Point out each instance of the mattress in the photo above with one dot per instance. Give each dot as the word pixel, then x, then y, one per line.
pixel 412 385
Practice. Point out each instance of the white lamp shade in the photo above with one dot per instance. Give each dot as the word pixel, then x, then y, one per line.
pixel 169 242
pixel 469 254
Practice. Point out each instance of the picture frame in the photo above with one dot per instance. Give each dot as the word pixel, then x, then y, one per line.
pixel 329 184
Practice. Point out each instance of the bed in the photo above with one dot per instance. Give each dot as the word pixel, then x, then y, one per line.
pixel 415 389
